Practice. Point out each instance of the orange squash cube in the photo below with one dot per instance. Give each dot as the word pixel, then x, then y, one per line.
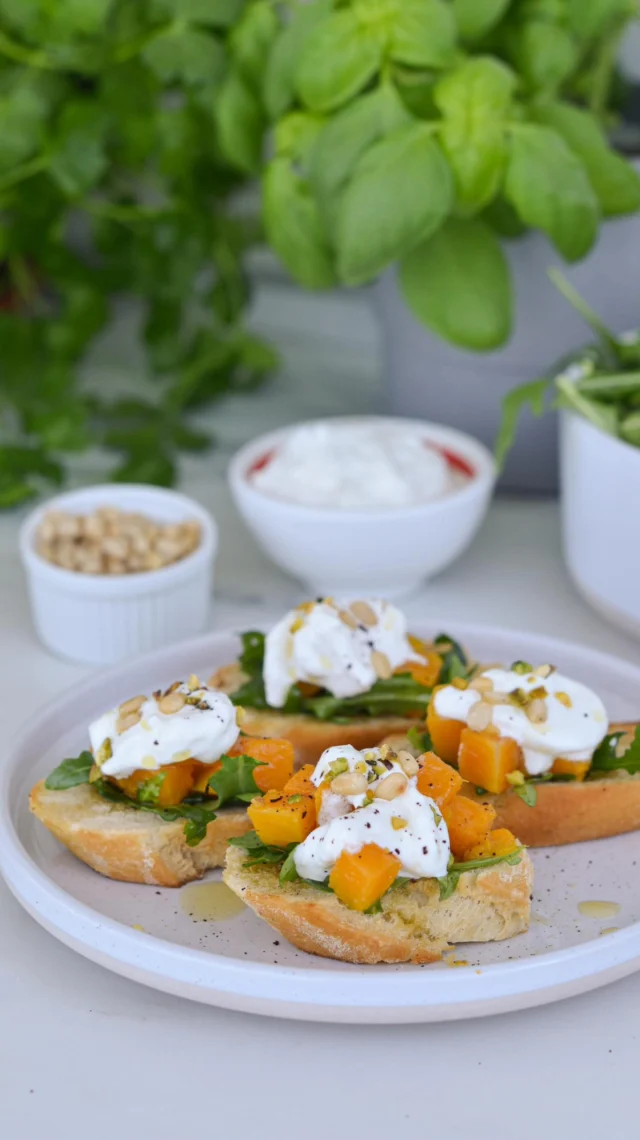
pixel 275 756
pixel 424 672
pixel 444 732
pixel 177 782
pixel 280 819
pixel 576 768
pixel 497 843
pixel 437 780
pixel 301 782
pixel 360 880
pixel 485 759
pixel 202 775
pixel 468 823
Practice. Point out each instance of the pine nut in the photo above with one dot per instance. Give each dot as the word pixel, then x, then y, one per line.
pixel 408 763
pixel 349 784
pixel 392 786
pixel 381 665
pixel 111 541
pixel 124 723
pixel 348 619
pixel 241 715
pixel 171 703
pixel 193 683
pixel 131 706
pixel 364 613
pixel 481 684
pixel 479 716
pixel 537 712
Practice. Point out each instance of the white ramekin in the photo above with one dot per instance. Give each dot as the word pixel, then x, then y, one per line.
pixel 386 552
pixel 600 477
pixel 102 618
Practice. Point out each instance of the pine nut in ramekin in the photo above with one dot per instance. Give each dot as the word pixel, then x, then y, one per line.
pixel 99 618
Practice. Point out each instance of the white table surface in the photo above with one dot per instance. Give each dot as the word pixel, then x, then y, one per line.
pixel 84 1053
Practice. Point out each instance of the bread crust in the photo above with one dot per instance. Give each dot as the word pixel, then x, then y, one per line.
pixel 308 735
pixel 564 813
pixel 128 845
pixel 415 925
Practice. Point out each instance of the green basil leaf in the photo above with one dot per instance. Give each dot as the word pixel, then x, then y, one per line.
pixel 590 19
pixel 614 180
pixel 240 122
pixel 251 40
pixel 400 193
pixel 457 283
pixel 235 778
pixel 423 34
pixel 218 13
pixel 70 773
pixel 279 85
pixel 294 227
pixel 549 188
pixel 477 17
pixel 344 139
pixel 527 792
pixel 502 218
pixel 604 416
pixel 337 61
pixel 543 53
pixel 185 54
pixel 296 136
pixel 531 395
pixel 475 100
pixel 606 759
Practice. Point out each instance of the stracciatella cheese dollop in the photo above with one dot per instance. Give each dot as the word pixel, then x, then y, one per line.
pixel 410 826
pixel 348 465
pixel 572 725
pixel 204 728
pixel 340 646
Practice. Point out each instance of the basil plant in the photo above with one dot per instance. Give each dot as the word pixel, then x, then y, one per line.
pixel 423 132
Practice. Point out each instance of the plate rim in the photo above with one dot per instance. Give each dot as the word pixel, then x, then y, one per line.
pixel 413 994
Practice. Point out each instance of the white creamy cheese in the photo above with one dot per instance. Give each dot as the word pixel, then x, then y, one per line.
pixel 204 733
pixel 420 839
pixel 575 725
pixel 345 465
pixel 313 643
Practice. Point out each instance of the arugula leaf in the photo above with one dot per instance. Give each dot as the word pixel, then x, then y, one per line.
pixel 260 852
pixel 234 780
pixel 605 758
pixel 252 656
pixel 420 739
pixel 197 815
pixel 527 793
pixel 400 695
pixel 70 773
pixel 455 662
pixel 288 872
pixel 448 883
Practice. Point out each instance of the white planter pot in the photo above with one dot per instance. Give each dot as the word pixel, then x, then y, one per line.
pixel 600 480
pixel 428 378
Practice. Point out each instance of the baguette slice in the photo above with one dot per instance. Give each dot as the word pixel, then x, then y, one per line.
pixel 133 846
pixel 415 925
pixel 308 735
pixel 570 812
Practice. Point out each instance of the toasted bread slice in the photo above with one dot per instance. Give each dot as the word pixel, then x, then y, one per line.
pixel 308 735
pixel 133 846
pixel 564 812
pixel 415 924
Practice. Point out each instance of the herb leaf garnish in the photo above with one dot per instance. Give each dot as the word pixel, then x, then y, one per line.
pixel 70 773
pixel 606 760
pixel 197 814
pixel 234 780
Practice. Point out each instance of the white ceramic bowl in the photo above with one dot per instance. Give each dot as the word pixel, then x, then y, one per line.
pixel 102 618
pixel 600 478
pixel 384 552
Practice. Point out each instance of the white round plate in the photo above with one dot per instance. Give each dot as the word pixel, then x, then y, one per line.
pixel 146 934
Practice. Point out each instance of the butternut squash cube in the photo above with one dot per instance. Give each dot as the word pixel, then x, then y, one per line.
pixel 280 819
pixel 424 672
pixel 444 732
pixel 485 759
pixel 468 823
pixel 177 782
pixel 498 842
pixel 360 880
pixel 438 780
pixel 301 782
pixel 576 768
pixel 202 775
pixel 275 756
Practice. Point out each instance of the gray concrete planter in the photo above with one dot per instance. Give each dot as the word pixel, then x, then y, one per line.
pixel 428 378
